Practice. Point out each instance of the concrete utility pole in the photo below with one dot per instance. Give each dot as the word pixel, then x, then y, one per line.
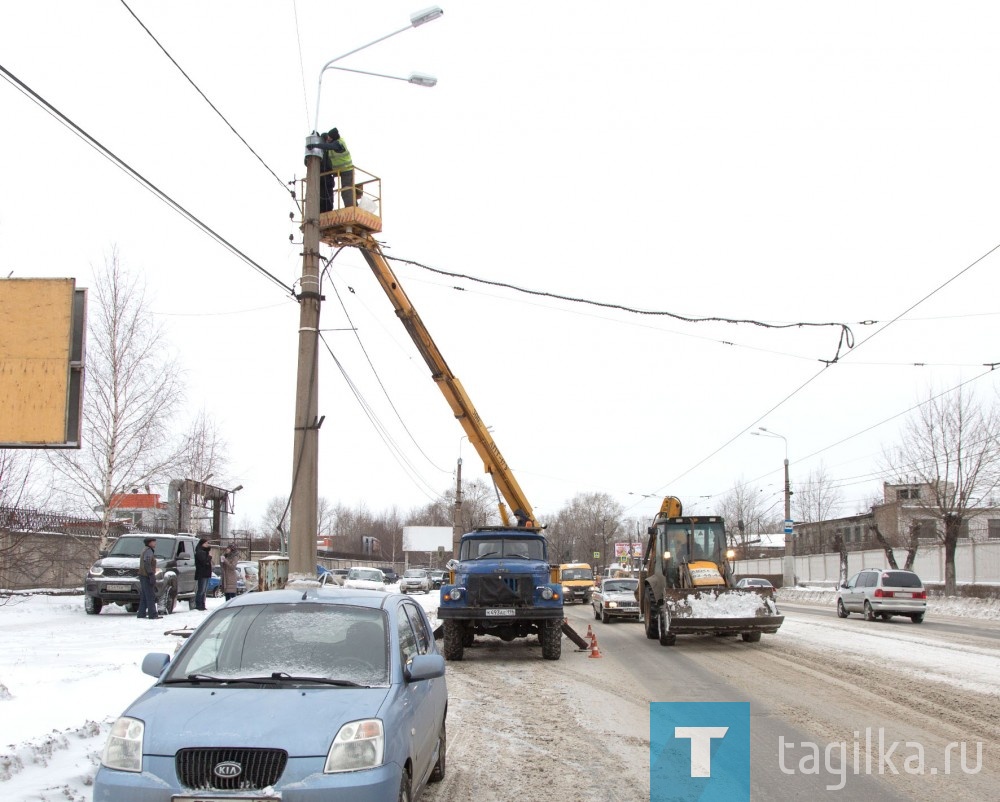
pixel 305 454
pixel 456 535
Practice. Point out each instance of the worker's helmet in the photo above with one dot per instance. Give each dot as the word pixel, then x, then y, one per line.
pixel 333 133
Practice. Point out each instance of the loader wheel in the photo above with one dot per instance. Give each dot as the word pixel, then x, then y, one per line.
pixel 649 617
pixel 667 638
pixel 841 610
pixel 750 637
pixel 453 640
pixel 551 639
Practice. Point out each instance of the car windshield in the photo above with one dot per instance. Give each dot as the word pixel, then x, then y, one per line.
pixel 368 575
pixel 131 546
pixel 620 585
pixel 308 640
pixel 577 573
pixel 415 572
pixel 513 548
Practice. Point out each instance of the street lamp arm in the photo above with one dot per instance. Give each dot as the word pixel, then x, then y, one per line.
pixel 418 78
pixel 417 19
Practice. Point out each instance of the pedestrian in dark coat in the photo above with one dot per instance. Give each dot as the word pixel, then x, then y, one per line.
pixel 147 580
pixel 202 572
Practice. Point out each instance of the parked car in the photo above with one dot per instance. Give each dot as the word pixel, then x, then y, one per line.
pixel 114 578
pixel 415 579
pixel 615 598
pixel 215 582
pixel 754 582
pixel 327 576
pixel 247 577
pixel 365 578
pixel 883 592
pixel 438 578
pixel 363 698
pixel 391 577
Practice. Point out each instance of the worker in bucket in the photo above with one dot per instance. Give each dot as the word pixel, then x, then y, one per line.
pixel 337 164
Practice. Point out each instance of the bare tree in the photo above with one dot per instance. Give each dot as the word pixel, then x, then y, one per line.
pixel 587 524
pixel 272 525
pixel 747 512
pixel 16 468
pixel 204 451
pixel 951 445
pixel 132 392
pixel 818 500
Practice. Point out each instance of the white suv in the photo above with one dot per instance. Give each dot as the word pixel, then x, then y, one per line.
pixel 883 593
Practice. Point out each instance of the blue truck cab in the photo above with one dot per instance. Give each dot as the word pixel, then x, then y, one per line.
pixel 502 585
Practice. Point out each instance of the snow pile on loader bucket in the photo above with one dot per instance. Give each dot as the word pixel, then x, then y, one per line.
pixel 722 611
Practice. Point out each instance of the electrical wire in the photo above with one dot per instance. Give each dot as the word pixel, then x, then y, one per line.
pixel 136 175
pixel 204 96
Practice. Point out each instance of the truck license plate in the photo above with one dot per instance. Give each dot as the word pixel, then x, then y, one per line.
pixel 118 588
pixel 500 611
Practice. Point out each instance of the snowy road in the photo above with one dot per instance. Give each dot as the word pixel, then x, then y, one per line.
pixel 523 728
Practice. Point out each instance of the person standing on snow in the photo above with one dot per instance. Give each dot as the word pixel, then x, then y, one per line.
pixel 228 563
pixel 202 572
pixel 147 580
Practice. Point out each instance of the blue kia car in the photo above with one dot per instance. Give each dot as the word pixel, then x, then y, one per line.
pixel 298 695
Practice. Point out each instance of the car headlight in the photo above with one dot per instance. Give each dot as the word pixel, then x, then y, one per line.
pixel 96 570
pixel 123 750
pixel 612 604
pixel 358 745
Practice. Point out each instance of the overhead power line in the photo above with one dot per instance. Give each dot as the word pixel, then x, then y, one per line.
pixel 137 176
pixel 209 102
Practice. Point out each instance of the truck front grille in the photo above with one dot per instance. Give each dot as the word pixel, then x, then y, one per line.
pixel 490 590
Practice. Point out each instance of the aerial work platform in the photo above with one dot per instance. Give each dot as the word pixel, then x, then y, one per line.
pixel 357 210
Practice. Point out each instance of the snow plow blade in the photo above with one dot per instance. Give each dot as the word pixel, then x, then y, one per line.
pixel 723 611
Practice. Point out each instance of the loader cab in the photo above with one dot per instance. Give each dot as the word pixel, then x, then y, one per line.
pixel 690 551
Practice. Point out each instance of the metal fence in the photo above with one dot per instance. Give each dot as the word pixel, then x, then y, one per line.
pixel 976 563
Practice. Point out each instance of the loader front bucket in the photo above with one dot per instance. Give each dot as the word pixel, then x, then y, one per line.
pixel 722 611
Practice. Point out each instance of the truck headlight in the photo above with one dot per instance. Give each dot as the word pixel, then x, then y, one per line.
pixel 358 745
pixel 454 594
pixel 546 592
pixel 123 749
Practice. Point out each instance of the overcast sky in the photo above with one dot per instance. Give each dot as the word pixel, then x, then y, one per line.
pixel 781 162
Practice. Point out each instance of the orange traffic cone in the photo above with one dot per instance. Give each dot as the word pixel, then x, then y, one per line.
pixel 590 633
pixel 594 650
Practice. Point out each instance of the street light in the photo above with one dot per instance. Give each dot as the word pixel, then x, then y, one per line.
pixel 305 454
pixel 417 18
pixel 788 486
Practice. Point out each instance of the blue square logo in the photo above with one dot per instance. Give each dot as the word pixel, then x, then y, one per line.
pixel 699 751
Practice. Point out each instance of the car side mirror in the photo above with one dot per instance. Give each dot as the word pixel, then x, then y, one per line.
pixel 424 666
pixel 154 663
pixel 843 585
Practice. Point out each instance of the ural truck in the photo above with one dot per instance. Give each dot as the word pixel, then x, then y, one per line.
pixel 502 585
pixel 686 582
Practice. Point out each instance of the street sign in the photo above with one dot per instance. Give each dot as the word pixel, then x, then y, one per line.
pixel 788 526
pixel 597 555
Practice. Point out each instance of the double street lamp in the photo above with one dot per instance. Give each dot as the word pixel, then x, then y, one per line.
pixel 763 432
pixel 305 458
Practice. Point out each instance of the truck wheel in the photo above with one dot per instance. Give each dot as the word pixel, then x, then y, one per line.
pixel 92 605
pixel 551 639
pixel 468 637
pixel 750 637
pixel 667 638
pixel 453 643
pixel 649 617
pixel 169 600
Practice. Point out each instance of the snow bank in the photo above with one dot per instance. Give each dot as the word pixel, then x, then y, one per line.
pixel 726 605
pixel 941 605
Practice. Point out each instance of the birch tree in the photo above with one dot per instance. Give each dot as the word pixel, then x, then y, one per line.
pixel 132 390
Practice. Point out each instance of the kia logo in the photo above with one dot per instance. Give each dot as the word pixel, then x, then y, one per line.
pixel 228 769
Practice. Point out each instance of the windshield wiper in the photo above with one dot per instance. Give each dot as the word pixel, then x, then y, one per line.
pixel 281 675
pixel 275 678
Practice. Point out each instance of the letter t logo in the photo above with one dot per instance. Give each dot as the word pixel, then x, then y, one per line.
pixel 701 747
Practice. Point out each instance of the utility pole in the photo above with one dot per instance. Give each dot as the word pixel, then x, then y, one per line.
pixel 456 534
pixel 305 454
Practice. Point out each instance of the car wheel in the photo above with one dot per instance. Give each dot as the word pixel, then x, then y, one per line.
pixel 605 618
pixel 216 592
pixel 750 637
pixel 649 617
pixel 453 640
pixel 917 618
pixel 169 600
pixel 841 610
pixel 597 613
pixel 551 639
pixel 404 788
pixel 92 605
pixel 437 774
pixel 869 612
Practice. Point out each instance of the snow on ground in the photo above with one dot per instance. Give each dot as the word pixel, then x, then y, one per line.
pixel 936 605
pixel 65 676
